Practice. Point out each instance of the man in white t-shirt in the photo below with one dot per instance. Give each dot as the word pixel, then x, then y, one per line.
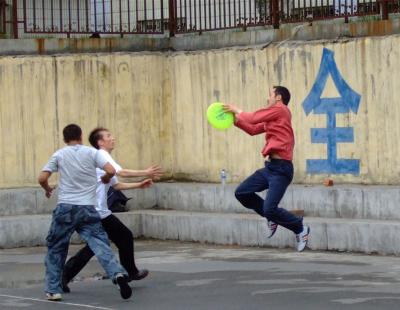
pixel 76 211
pixel 102 139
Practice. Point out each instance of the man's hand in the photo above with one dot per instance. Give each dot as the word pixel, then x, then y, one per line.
pixel 49 191
pixel 231 108
pixel 146 183
pixel 154 172
pixel 43 180
pixel 106 178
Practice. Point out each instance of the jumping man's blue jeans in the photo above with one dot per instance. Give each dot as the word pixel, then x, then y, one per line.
pixel 276 177
pixel 86 221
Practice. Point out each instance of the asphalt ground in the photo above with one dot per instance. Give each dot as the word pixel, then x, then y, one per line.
pixel 200 276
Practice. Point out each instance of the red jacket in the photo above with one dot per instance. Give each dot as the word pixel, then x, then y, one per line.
pixel 275 121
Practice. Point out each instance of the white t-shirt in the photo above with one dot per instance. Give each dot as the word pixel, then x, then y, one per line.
pixel 102 189
pixel 77 167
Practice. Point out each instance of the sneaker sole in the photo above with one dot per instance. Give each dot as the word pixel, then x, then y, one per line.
pixel 124 288
pixel 53 298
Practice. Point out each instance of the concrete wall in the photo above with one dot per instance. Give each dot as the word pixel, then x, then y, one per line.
pixel 40 95
pixel 155 104
pixel 243 77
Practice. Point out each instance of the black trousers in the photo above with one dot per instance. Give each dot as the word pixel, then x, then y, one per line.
pixel 120 235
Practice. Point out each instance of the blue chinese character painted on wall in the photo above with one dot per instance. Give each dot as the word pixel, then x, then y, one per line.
pixel 348 101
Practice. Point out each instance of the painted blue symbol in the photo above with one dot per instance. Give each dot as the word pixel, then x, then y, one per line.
pixel 348 101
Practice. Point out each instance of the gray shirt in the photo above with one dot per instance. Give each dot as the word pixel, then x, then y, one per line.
pixel 77 167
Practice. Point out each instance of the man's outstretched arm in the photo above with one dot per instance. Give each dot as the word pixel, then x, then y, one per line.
pixel 154 172
pixel 144 184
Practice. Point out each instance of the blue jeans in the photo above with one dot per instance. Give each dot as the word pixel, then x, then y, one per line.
pixel 86 221
pixel 276 177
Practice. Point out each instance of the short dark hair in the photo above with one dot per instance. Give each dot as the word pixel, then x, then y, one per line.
pixel 96 135
pixel 72 132
pixel 284 92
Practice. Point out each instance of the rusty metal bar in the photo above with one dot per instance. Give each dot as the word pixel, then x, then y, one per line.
pixel 178 24
pixel 209 14
pixel 162 15
pixel 137 16
pixel 288 15
pixel 172 17
pixel 145 14
pixel 244 14
pixel 61 18
pixel 104 16
pixel 230 14
pixel 219 14
pixel 384 9
pixel 184 25
pixel 250 21
pixel 205 15
pixel 234 13
pixel 95 15
pixel 43 14
pixel 87 15
pixel 195 16
pixel 154 17
pixel 129 14
pixel 254 6
pixel 34 14
pixel 224 5
pixel 239 13
pixel 120 16
pixel 69 16
pixel 215 15
pixel 189 25
pixel 15 18
pixel 200 25
pixel 112 15
pixel 78 15
pixel 3 16
pixel 275 13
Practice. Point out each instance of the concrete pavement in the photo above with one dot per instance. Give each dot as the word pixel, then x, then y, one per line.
pixel 200 276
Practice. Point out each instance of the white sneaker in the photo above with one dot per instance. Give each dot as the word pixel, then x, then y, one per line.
pixel 302 238
pixel 54 296
pixel 272 227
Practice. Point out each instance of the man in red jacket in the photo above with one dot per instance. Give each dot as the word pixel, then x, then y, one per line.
pixel 275 121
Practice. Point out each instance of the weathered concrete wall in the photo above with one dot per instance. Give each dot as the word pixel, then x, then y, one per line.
pixel 40 95
pixel 369 66
pixel 155 104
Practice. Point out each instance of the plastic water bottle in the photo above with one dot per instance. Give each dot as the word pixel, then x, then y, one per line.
pixel 223 176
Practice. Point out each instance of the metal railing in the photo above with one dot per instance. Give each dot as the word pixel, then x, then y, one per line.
pixel 3 16
pixel 94 16
pixel 308 10
pixel 119 17
pixel 207 15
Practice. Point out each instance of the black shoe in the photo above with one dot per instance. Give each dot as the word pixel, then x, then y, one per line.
pixel 64 286
pixel 124 289
pixel 141 274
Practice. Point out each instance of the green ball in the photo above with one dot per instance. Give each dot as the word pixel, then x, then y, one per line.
pixel 218 118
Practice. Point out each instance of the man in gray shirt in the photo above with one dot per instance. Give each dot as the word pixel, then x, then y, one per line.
pixel 76 211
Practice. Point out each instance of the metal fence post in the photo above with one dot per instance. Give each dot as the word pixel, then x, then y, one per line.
pixel 275 13
pixel 15 18
pixel 384 9
pixel 172 17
